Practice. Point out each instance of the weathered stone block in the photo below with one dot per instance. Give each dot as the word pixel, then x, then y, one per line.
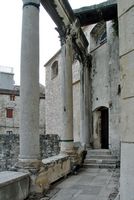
pixel 14 185
pixel 126 32
pixel 53 169
pixel 127 122
pixel 127 75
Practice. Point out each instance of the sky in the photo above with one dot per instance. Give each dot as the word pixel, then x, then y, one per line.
pixel 10 35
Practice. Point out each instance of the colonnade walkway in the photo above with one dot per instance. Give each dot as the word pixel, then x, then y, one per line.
pixel 88 184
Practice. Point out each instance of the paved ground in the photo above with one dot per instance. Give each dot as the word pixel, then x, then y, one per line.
pixel 88 184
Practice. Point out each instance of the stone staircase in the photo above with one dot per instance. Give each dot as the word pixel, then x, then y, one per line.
pixel 100 158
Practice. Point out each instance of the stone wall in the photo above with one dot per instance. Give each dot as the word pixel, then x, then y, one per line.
pixel 53 94
pixel 103 88
pixel 54 120
pixel 105 77
pixel 126 53
pixel 6 80
pixel 9 148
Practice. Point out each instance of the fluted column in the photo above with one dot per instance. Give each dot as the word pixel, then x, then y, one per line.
pixel 29 92
pixel 67 94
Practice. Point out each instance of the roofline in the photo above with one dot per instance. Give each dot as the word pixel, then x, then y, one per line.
pixel 1 72
pixel 50 60
pixel 16 93
pixel 9 92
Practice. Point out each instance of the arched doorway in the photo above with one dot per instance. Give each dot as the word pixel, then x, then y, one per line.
pixel 101 128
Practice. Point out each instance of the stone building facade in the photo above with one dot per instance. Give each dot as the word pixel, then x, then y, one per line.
pixel 10 122
pixel 10 110
pixel 53 93
pixel 104 88
pixel 109 94
pixel 10 105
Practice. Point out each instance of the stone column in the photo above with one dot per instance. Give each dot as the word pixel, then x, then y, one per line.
pixel 84 105
pixel 29 91
pixel 126 53
pixel 67 94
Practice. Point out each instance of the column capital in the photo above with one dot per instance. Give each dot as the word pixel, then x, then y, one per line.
pixel 35 3
pixel 31 1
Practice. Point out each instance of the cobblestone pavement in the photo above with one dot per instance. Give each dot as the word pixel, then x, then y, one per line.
pixel 88 184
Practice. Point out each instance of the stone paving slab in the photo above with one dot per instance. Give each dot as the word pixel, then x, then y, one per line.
pixel 89 184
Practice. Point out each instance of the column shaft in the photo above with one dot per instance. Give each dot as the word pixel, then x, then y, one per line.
pixel 84 106
pixel 86 101
pixel 67 136
pixel 29 92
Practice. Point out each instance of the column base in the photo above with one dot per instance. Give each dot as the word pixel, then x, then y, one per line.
pixel 28 164
pixel 32 167
pixel 67 147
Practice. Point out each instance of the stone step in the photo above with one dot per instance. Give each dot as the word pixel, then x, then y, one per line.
pixel 98 152
pixel 99 161
pixel 100 157
pixel 101 165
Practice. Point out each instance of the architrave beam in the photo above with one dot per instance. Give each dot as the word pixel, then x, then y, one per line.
pixel 63 16
pixel 93 14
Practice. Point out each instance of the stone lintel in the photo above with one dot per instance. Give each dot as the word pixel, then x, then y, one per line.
pixel 63 16
pixel 93 14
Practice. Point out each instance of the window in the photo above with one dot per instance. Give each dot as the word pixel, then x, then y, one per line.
pixel 98 35
pixel 9 132
pixel 54 70
pixel 101 38
pixel 9 113
pixel 12 97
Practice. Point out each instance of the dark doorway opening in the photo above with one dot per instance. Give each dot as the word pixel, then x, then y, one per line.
pixel 104 128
